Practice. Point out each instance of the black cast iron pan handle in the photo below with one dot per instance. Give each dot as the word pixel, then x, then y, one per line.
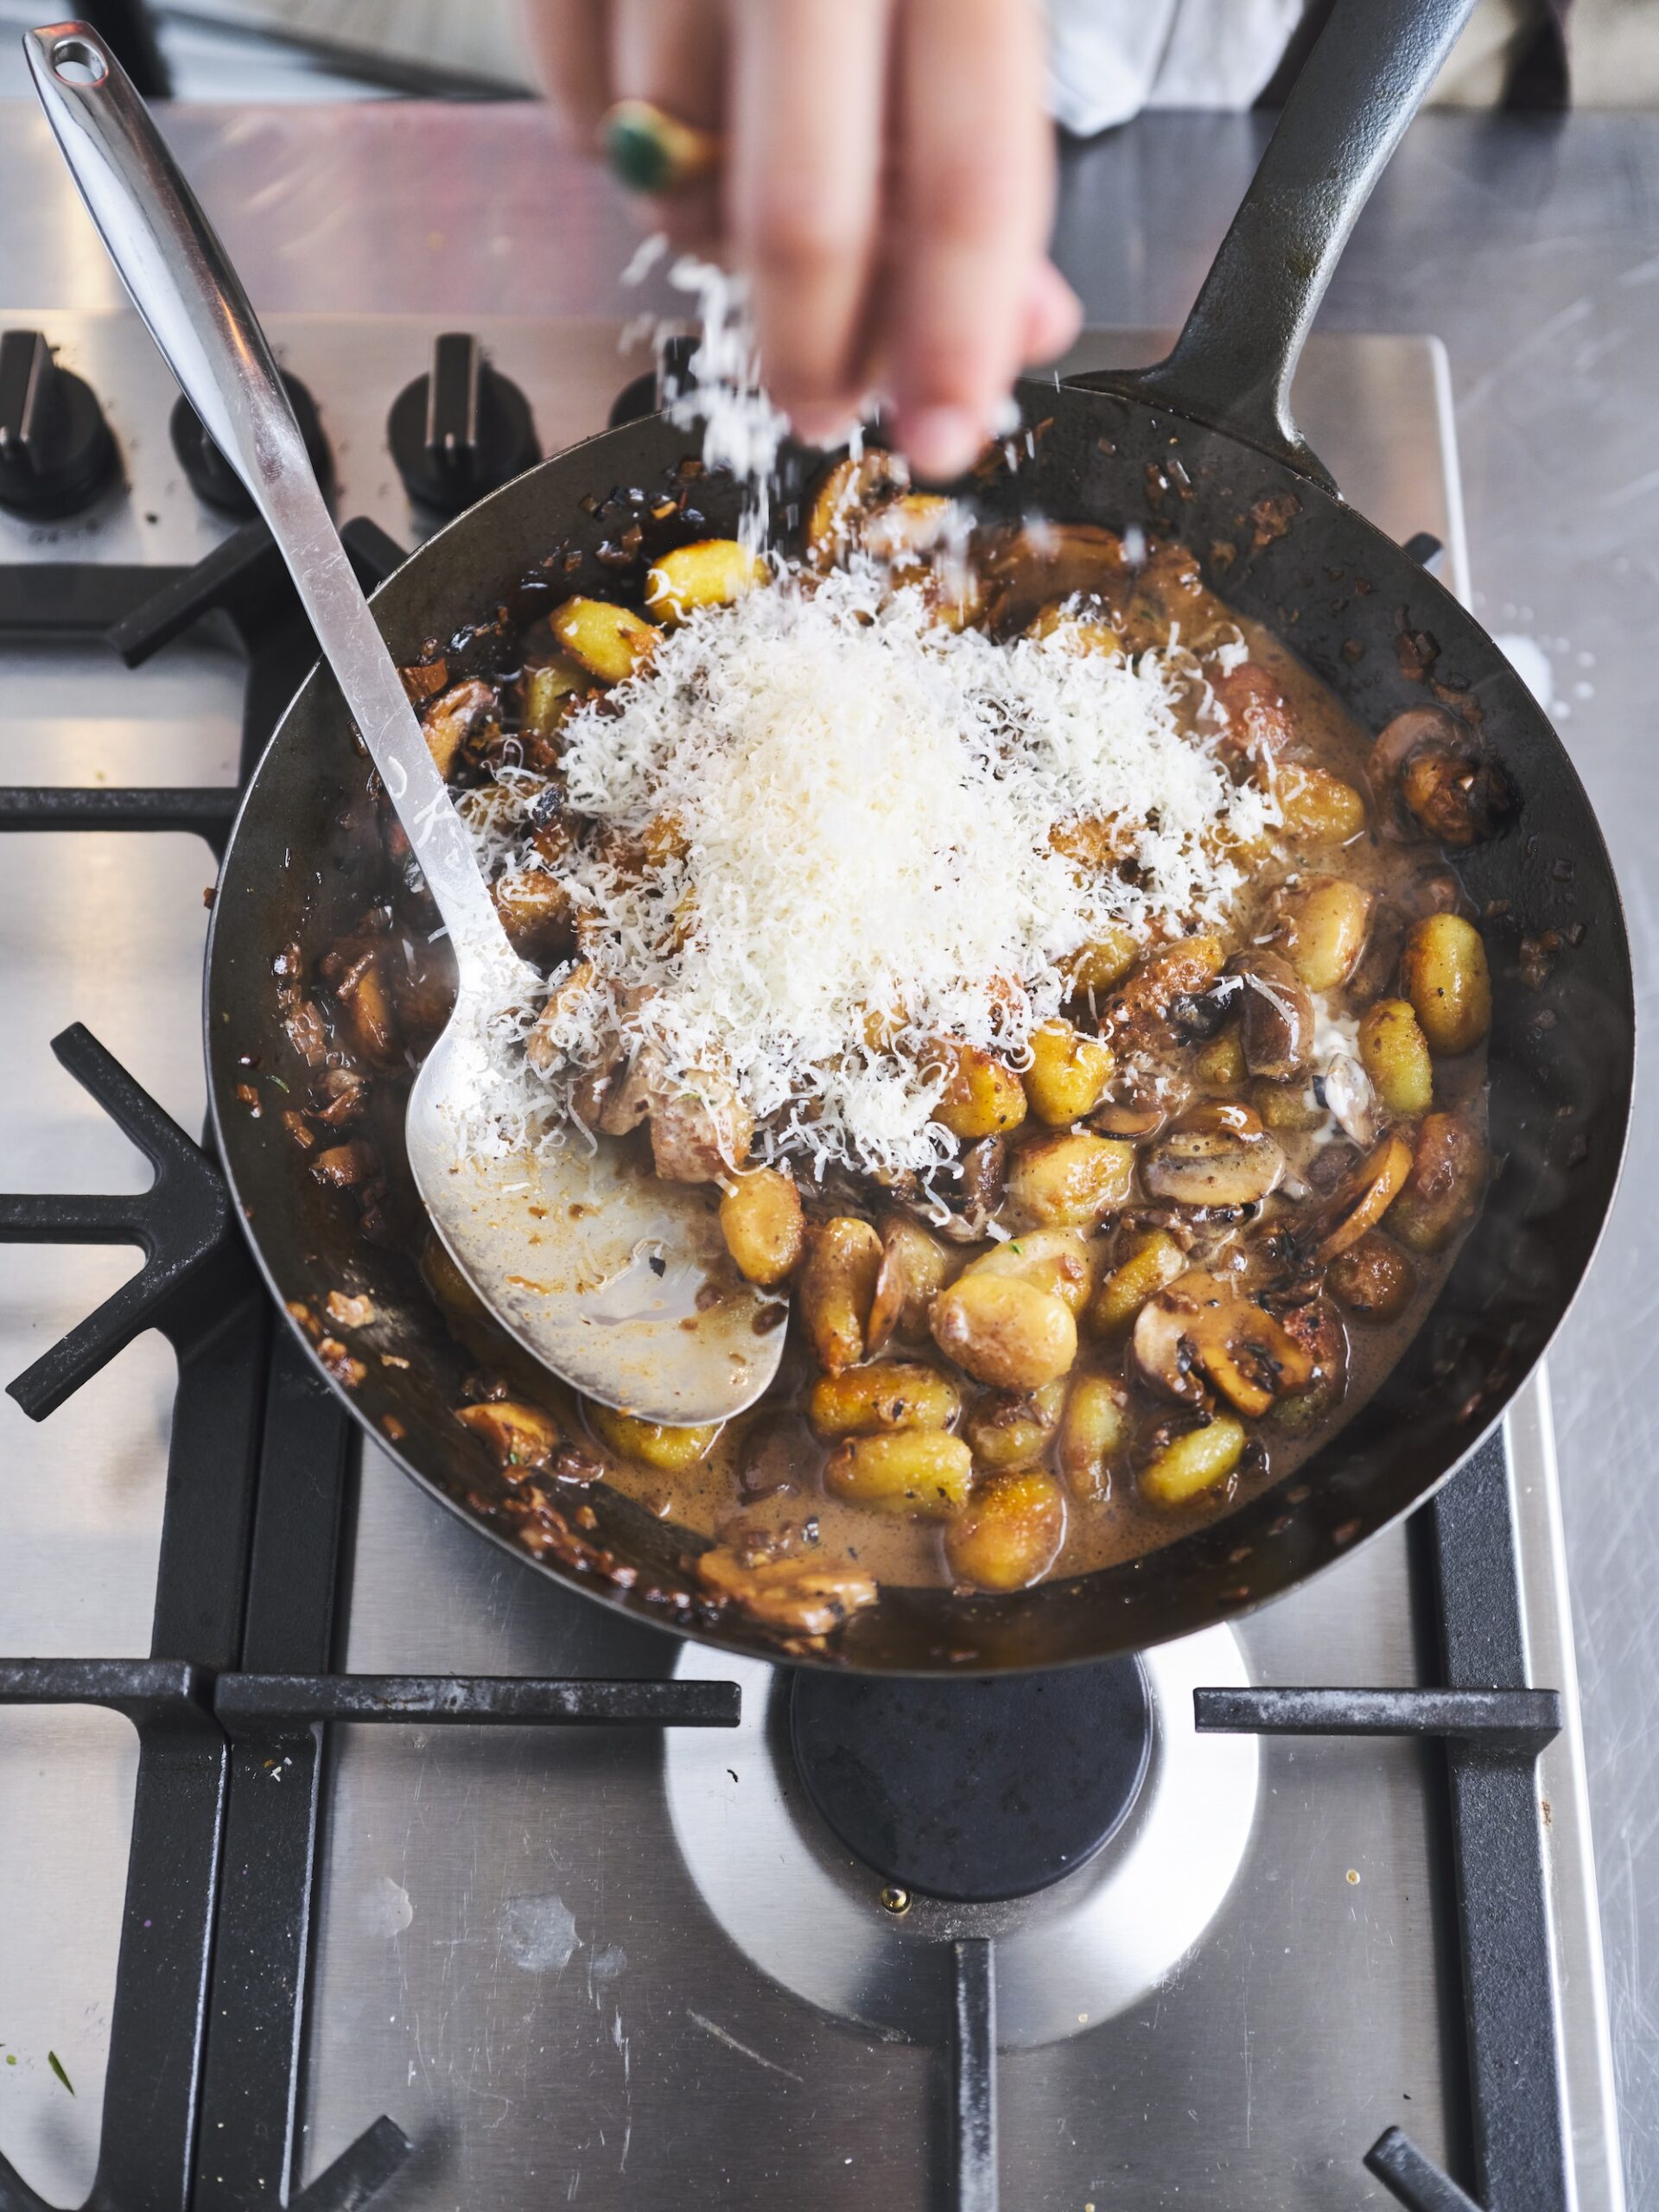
pixel 1231 366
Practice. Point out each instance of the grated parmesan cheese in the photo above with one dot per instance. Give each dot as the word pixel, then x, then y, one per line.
pixel 825 845
pixel 742 431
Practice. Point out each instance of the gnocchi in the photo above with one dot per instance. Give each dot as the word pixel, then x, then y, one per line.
pixel 1444 974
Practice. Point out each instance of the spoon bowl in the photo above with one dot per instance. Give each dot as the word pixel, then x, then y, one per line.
pixel 618 1282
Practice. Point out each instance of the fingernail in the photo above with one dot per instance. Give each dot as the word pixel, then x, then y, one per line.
pixel 942 441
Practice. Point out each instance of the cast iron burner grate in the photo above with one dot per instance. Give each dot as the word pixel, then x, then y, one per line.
pixel 202 2086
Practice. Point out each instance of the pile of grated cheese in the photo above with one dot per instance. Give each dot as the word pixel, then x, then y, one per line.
pixel 862 804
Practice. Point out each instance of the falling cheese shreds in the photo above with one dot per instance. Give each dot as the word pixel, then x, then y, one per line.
pixel 742 431
pixel 826 843
pixel 722 393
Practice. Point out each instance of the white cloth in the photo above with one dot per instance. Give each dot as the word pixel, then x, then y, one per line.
pixel 1109 59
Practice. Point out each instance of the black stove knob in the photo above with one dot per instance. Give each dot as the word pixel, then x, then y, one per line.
pixel 213 480
pixel 460 429
pixel 56 454
pixel 657 387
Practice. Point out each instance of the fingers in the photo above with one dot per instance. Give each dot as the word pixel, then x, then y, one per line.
pixel 569 42
pixel 974 185
pixel 673 52
pixel 897 223
pixel 592 52
pixel 1051 318
pixel 1049 323
pixel 802 189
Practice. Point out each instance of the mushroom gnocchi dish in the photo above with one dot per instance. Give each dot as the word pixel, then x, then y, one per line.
pixel 1074 1018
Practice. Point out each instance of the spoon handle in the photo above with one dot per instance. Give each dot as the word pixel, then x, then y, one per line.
pixel 194 305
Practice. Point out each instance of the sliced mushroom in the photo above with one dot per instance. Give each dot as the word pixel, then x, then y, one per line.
pixel 984 1171
pixel 518 1435
pixel 567 990
pixel 1349 1094
pixel 849 492
pixel 366 1011
pixel 628 1094
pixel 701 1131
pixel 1164 1352
pixel 914 1268
pixel 1136 1018
pixel 1374 973
pixel 449 721
pixel 1202 1330
pixel 343 1166
pixel 1220 1156
pixel 338 1096
pixel 1199 1015
pixel 1458 799
pixel 421 678
pixel 1169 595
pixel 1115 1121
pixel 912 525
pixel 1362 1198
pixel 1431 774
pixel 1276 1017
pixel 808 1596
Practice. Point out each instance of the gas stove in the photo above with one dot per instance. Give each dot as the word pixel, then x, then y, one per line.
pixel 347 1860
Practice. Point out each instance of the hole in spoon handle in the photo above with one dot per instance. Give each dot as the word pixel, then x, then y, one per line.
pixel 77 59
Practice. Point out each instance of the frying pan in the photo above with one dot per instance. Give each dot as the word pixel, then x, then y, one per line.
pixel 1202 447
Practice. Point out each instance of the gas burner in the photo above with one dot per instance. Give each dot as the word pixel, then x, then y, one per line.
pixel 973 1791
pixel 855 1936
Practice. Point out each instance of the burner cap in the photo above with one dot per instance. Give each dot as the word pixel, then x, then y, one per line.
pixel 804 1910
pixel 973 1791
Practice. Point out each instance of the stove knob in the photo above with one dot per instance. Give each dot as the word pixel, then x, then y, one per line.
pixel 657 387
pixel 460 429
pixel 213 480
pixel 56 454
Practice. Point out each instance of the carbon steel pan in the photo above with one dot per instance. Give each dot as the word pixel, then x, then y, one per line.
pixel 1373 626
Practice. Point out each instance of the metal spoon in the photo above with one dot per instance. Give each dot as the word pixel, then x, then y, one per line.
pixel 617 1282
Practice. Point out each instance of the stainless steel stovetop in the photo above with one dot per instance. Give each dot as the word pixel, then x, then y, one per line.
pixel 591 1968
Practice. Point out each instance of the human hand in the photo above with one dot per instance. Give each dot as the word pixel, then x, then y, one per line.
pixel 887 184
